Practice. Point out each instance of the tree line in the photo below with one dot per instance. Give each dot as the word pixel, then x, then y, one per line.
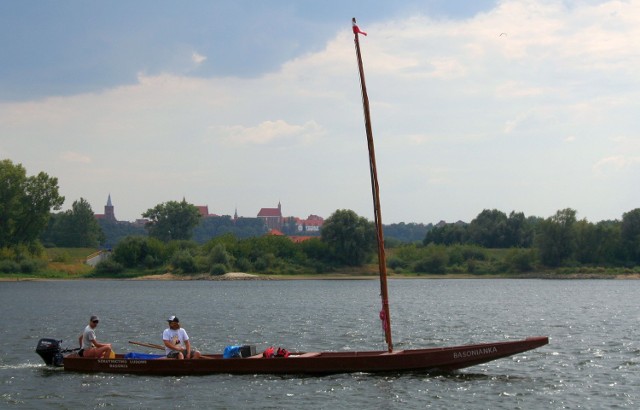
pixel 346 239
pixel 560 240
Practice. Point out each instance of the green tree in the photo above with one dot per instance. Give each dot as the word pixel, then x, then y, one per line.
pixel 598 244
pixel 219 256
pixel 489 229
pixel 76 227
pixel 25 204
pixel 115 231
pixel 434 259
pixel 630 234
pixel 519 232
pixel 447 234
pixel 556 238
pixel 520 260
pixel 172 220
pixel 314 248
pixel 184 262
pixel 351 238
pixel 406 232
pixel 215 226
pixel 138 251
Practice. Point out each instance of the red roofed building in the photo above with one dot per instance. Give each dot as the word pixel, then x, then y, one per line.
pixel 272 217
pixel 312 224
pixel 204 211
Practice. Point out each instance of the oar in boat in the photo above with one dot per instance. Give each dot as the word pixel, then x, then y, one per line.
pixel 154 346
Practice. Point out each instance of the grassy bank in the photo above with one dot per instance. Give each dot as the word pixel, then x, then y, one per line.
pixel 69 263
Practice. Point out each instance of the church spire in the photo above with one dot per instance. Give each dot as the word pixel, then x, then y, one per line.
pixel 109 213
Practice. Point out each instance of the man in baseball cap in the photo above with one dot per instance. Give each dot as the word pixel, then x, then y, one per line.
pixel 176 341
pixel 89 345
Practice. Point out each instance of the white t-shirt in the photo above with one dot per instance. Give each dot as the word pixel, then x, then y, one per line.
pixel 88 336
pixel 177 337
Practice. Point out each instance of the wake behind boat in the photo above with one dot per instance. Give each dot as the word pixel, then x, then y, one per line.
pixel 443 359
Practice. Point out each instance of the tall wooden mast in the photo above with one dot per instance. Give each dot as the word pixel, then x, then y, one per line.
pixel 375 189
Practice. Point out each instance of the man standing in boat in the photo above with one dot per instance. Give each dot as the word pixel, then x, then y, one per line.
pixel 89 345
pixel 176 341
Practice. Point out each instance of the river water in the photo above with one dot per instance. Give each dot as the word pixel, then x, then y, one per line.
pixel 592 361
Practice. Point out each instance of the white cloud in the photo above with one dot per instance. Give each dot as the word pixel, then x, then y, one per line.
pixel 615 163
pixel 76 157
pixel 443 93
pixel 266 132
pixel 197 58
pixel 513 89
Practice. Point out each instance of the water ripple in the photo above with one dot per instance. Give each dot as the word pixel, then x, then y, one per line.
pixel 591 361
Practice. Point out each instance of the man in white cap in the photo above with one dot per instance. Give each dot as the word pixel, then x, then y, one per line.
pixel 176 341
pixel 89 345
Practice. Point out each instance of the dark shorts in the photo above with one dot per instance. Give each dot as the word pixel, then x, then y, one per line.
pixel 174 354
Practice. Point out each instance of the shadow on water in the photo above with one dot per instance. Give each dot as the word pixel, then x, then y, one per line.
pixel 432 374
pixel 51 371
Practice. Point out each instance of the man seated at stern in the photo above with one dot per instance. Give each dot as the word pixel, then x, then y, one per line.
pixel 89 345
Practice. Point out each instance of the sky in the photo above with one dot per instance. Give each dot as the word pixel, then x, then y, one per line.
pixel 515 105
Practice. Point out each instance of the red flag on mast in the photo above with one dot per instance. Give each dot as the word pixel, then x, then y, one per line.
pixel 356 29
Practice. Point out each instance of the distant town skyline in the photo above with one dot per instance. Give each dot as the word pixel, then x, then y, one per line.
pixel 273 217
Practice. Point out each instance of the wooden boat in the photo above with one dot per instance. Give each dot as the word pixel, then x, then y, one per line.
pixel 444 359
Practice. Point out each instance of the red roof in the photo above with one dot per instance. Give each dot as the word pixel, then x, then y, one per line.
pixel 270 212
pixel 275 232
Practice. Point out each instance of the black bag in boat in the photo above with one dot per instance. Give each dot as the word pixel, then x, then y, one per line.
pixel 247 350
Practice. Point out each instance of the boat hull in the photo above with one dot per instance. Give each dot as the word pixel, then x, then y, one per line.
pixel 443 359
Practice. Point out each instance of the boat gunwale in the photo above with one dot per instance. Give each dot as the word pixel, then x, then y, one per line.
pixel 429 359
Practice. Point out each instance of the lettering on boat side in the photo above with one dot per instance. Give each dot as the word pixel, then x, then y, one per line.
pixel 475 352
pixel 120 363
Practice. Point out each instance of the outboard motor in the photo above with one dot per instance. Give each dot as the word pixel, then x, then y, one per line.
pixel 50 351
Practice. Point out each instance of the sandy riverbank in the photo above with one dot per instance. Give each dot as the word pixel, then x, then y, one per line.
pixel 226 276
pixel 343 276
pixel 339 276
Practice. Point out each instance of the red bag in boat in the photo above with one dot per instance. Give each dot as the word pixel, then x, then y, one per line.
pixel 282 352
pixel 268 353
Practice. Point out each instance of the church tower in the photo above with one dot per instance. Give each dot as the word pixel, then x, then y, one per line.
pixel 109 213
